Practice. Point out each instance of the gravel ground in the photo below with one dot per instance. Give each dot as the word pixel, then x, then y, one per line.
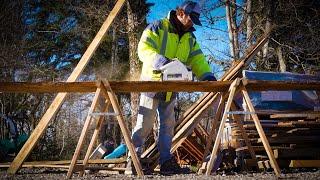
pixel 47 174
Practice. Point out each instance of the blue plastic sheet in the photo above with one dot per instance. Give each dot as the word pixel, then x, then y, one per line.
pixel 282 100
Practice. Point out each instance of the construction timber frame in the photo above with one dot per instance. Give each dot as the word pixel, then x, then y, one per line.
pixel 186 125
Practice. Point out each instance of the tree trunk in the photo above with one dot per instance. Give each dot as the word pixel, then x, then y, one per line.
pixel 268 5
pixel 232 29
pixel 228 17
pixel 133 56
pixel 114 53
pixel 249 23
pixel 282 63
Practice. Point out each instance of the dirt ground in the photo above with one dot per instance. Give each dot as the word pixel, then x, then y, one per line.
pixel 52 174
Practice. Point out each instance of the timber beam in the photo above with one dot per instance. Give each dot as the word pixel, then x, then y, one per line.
pixel 152 86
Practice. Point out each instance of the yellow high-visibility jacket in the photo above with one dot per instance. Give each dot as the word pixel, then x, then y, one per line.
pixel 159 40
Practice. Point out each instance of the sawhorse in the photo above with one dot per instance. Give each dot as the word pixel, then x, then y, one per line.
pixel 237 86
pixel 104 89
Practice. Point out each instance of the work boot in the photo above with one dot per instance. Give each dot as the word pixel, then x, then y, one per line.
pixel 130 169
pixel 171 167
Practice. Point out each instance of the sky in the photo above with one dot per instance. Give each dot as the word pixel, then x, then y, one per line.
pixel 215 47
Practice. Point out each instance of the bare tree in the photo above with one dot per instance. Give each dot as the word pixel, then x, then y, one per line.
pixel 231 17
pixel 249 22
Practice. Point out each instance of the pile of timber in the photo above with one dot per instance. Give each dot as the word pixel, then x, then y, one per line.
pixel 293 137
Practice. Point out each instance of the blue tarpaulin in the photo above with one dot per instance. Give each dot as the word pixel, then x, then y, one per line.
pixel 282 100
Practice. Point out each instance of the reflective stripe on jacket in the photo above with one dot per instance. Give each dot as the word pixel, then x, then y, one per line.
pixel 159 39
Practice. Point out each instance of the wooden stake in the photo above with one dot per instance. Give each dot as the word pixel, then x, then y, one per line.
pixel 57 102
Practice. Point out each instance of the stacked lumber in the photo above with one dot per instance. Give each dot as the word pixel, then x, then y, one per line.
pixel 293 137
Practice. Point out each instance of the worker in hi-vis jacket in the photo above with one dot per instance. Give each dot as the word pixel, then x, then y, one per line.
pixel 162 42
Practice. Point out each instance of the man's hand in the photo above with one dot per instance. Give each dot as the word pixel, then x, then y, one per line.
pixel 173 62
pixel 208 77
pixel 160 61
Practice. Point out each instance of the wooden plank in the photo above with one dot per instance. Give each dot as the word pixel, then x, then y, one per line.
pixel 38 166
pixel 261 132
pixel 293 139
pixel 65 162
pixel 308 115
pixel 109 94
pixel 57 102
pixel 83 133
pixel 304 163
pixel 156 86
pixel 216 145
pixel 117 86
pixel 297 153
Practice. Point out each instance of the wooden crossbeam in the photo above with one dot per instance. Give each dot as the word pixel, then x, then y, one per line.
pixel 59 99
pixel 118 86
pixel 155 86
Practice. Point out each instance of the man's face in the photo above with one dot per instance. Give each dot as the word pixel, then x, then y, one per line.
pixel 185 20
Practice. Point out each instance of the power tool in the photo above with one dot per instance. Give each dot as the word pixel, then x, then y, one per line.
pixel 176 71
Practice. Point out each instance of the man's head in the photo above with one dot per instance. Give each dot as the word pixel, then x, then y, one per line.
pixel 188 14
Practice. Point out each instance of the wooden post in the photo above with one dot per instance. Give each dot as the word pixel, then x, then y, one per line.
pixel 124 129
pixel 57 102
pixel 232 91
pixel 261 133
pixel 83 133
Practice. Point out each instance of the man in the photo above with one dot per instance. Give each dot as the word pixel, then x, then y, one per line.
pixel 163 42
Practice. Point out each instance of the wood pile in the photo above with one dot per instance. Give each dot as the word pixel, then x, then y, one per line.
pixel 293 137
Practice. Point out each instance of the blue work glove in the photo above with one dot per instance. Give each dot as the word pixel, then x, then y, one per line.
pixel 160 61
pixel 208 77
